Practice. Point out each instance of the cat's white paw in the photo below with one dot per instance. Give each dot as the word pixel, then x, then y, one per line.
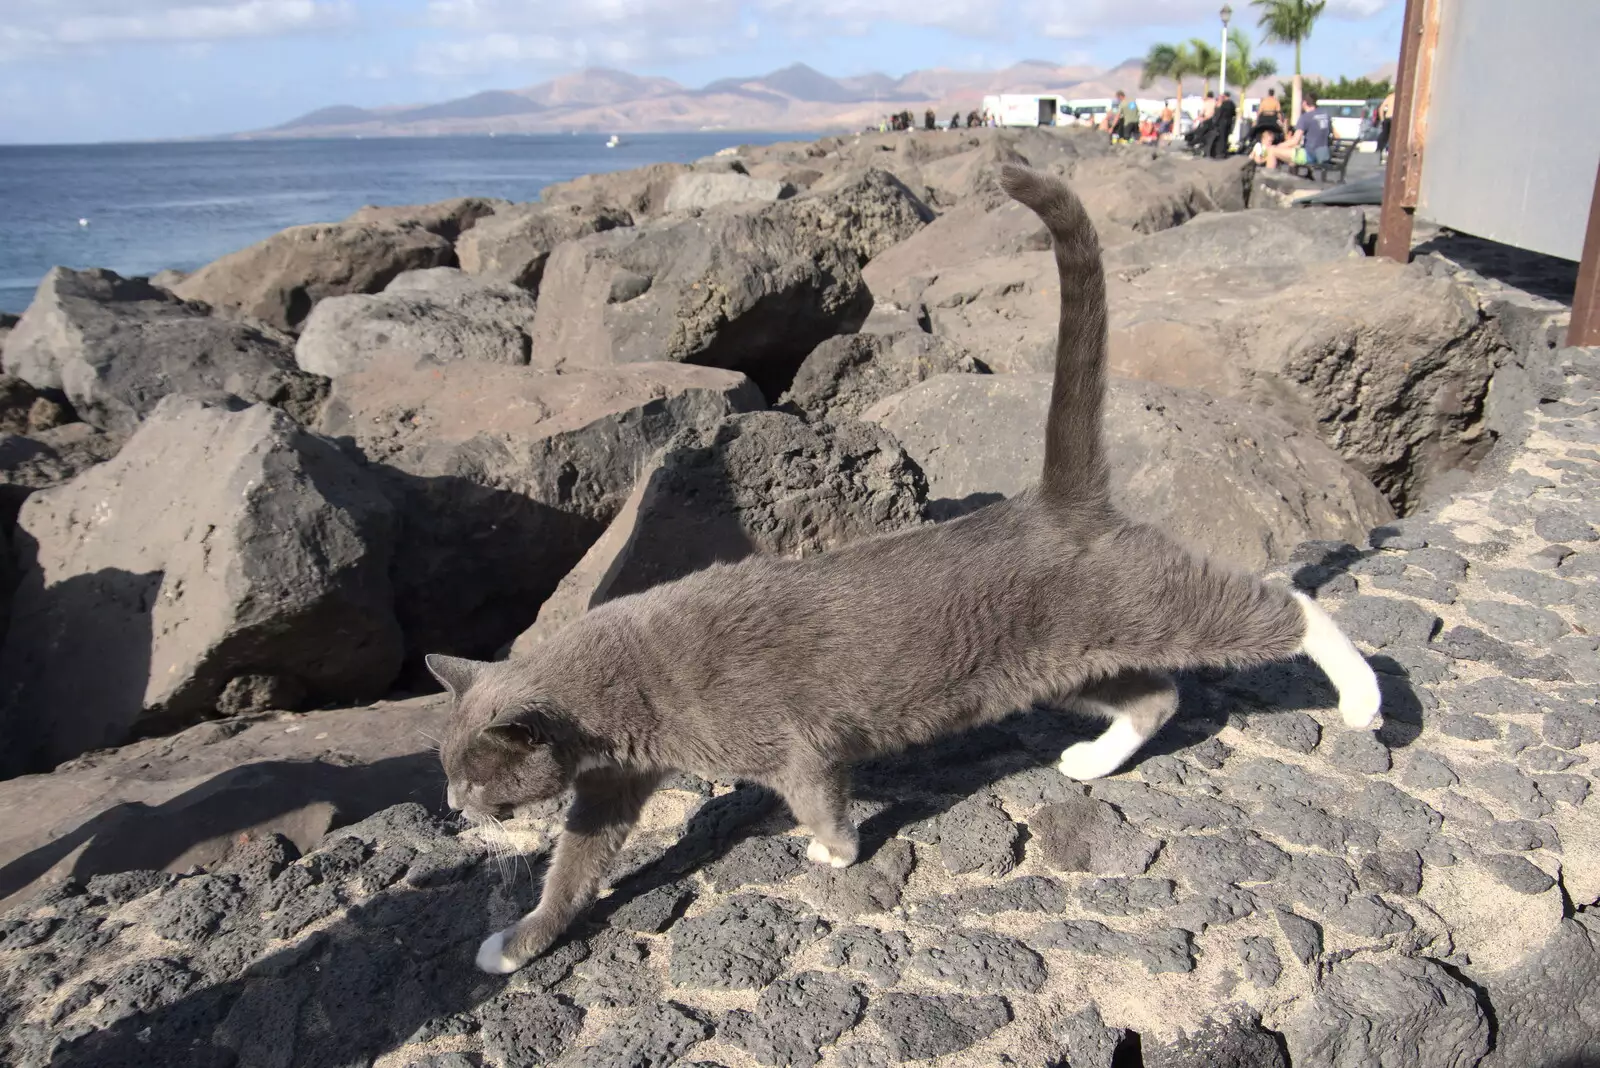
pixel 492 956
pixel 1084 761
pixel 1359 709
pixel 818 853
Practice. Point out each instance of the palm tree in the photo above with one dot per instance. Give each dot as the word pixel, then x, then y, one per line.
pixel 1206 59
pixel 1170 61
pixel 1290 22
pixel 1243 68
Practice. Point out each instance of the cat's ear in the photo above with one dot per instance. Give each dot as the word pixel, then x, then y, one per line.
pixel 456 674
pixel 515 734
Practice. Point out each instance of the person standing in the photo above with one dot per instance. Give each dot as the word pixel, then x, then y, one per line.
pixel 1222 131
pixel 930 121
pixel 1123 127
pixel 955 121
pixel 1385 122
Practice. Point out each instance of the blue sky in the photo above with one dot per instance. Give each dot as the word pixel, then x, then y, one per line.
pixel 106 70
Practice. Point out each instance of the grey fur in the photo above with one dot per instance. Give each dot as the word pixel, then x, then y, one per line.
pixel 786 672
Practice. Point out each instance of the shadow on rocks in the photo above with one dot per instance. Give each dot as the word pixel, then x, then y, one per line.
pixel 397 967
pixel 474 562
pixel 1546 276
pixel 947 508
pixel 134 836
pixel 101 619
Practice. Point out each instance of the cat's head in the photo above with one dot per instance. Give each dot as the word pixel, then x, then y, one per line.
pixel 502 748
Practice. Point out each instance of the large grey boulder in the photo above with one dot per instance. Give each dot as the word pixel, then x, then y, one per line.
pixel 447 218
pixel 1400 1010
pixel 763 482
pixel 1129 193
pixel 46 458
pixel 505 475
pixel 753 289
pixel 972 176
pixel 280 279
pixel 959 236
pixel 439 314
pixel 1259 238
pixel 845 375
pixel 641 192
pixel 1390 365
pixel 700 191
pixel 514 244
pixel 1240 484
pixel 115 346
pixel 221 543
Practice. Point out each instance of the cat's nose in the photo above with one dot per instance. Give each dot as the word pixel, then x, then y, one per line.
pixel 451 799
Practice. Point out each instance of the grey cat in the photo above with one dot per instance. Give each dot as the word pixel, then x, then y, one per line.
pixel 786 672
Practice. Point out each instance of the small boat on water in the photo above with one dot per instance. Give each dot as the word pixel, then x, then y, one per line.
pixel 614 142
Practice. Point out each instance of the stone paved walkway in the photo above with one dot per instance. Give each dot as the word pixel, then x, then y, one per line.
pixel 1414 897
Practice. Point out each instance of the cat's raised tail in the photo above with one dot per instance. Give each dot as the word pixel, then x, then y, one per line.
pixel 1076 478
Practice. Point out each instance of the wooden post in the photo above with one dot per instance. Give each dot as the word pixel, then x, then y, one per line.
pixel 1585 326
pixel 1394 227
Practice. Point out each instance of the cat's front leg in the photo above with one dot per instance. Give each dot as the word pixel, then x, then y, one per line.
pixel 605 807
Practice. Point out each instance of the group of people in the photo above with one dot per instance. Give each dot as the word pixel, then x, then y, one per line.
pixel 905 121
pixel 1214 127
pixel 1311 141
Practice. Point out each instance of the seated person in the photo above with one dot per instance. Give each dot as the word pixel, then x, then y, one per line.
pixel 1263 146
pixel 1311 141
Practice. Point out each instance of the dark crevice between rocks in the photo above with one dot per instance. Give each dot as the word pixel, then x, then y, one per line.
pixel 1568 908
pixel 1129 1052
pixel 770 351
pixel 1481 994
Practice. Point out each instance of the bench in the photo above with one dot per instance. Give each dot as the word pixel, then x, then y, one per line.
pixel 1339 153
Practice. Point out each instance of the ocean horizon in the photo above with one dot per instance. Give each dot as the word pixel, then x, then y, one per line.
pixel 151 206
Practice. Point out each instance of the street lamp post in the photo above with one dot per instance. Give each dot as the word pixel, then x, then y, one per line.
pixel 1222 76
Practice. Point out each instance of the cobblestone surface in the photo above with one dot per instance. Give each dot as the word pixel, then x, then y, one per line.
pixel 1363 896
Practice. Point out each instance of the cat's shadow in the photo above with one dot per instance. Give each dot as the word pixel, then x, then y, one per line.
pixel 399 965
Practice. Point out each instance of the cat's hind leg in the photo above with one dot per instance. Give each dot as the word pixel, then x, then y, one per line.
pixel 1346 668
pixel 819 797
pixel 1138 703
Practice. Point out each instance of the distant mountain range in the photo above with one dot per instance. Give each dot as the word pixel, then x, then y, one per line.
pixel 795 98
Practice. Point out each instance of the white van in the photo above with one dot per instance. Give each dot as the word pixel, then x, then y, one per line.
pixel 1022 109
pixel 1090 111
pixel 1349 117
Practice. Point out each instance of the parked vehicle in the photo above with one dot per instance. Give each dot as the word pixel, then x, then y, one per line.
pixel 1089 111
pixel 1022 109
pixel 1349 117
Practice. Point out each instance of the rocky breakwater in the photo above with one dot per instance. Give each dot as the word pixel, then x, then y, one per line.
pixel 238 503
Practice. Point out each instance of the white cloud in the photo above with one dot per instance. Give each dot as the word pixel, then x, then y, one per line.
pixel 477 35
pixel 1356 9
pixel 48 26
pixel 973 17
pixel 610 33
